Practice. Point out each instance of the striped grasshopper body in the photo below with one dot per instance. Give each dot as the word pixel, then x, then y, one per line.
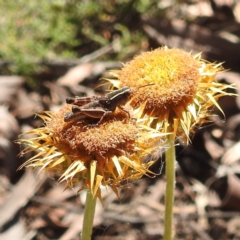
pixel 97 107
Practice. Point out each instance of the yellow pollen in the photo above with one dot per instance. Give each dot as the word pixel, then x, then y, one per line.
pixel 175 75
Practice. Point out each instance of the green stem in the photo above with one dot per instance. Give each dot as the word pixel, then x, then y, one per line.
pixel 170 178
pixel 88 216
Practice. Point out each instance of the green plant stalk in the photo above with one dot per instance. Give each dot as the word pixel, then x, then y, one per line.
pixel 170 178
pixel 88 216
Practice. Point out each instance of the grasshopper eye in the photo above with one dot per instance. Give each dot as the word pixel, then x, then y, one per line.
pixel 105 102
pixel 76 109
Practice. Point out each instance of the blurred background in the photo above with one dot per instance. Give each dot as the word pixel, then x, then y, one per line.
pixel 52 49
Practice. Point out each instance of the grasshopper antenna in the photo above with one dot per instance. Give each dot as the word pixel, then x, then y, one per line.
pixel 150 84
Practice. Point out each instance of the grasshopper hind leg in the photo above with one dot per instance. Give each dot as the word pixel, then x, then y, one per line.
pixel 70 116
pixel 124 110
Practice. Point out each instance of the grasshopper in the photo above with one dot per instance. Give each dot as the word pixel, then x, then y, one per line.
pixel 92 109
pixel 98 107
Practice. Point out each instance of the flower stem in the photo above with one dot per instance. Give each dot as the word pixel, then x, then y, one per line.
pixel 170 178
pixel 88 216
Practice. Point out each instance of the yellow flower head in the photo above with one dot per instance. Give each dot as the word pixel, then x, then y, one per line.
pixel 182 91
pixel 95 155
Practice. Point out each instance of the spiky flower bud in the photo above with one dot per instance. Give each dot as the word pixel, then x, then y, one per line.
pixel 183 90
pixel 93 155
